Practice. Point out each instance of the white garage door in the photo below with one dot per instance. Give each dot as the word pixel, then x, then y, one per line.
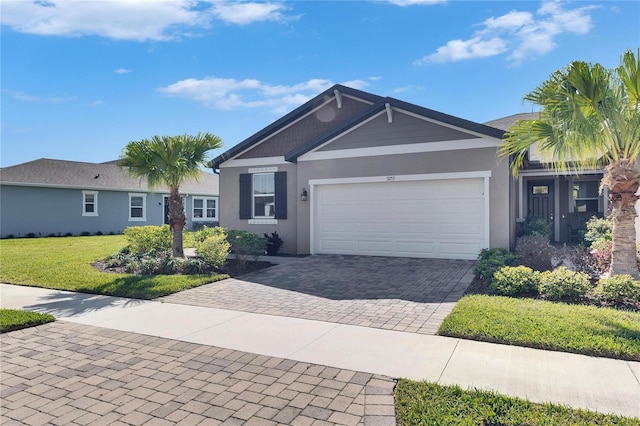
pixel 434 218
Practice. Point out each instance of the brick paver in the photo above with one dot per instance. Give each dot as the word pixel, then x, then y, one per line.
pixel 70 374
pixel 402 294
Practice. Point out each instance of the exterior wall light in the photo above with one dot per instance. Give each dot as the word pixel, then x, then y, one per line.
pixel 303 195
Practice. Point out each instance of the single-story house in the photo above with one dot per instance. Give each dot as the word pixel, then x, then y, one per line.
pixel 49 197
pixel 350 172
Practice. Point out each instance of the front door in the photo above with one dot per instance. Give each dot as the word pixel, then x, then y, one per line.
pixel 540 200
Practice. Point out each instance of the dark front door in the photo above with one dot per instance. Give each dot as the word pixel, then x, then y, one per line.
pixel 540 200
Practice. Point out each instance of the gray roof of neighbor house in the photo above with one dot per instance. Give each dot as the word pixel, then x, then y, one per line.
pixel 50 173
pixel 378 103
pixel 505 123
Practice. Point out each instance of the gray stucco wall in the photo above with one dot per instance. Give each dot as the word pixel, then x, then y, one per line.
pixel 57 211
pixel 230 202
pixel 295 231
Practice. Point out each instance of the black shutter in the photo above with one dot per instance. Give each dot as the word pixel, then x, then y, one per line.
pixel 281 194
pixel 245 196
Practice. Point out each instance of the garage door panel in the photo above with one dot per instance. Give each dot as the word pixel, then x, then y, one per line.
pixel 438 218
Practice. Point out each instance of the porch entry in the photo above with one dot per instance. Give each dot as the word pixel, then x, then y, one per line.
pixel 541 199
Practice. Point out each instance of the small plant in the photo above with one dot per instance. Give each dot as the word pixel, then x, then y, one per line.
pixel 563 283
pixel 30 235
pixel 274 242
pixel 69 234
pixel 149 239
pixel 598 230
pixel 245 245
pixel 206 232
pixel 214 250
pixel 515 280
pixel 535 226
pixel 99 233
pixel 535 252
pixel 619 288
pixel 195 265
pixel 491 260
pixel 85 233
pixel 601 253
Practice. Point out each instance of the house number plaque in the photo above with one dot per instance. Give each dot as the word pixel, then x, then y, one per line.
pixel 391 178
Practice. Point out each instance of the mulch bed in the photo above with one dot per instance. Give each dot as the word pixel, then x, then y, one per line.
pixel 231 267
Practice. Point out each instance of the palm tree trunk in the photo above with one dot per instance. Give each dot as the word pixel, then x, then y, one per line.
pixel 177 221
pixel 623 254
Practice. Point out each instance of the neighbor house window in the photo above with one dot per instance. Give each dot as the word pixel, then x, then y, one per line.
pixel 137 207
pixel 89 203
pixel 205 208
pixel 585 196
pixel 263 196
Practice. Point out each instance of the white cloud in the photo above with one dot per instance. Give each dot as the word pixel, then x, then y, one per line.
pixel 138 20
pixel 522 34
pixel 247 13
pixel 27 97
pixel 229 93
pixel 122 71
pixel 409 88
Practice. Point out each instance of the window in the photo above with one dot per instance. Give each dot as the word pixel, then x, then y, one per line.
pixel 205 208
pixel 540 189
pixel 137 207
pixel 264 199
pixel 89 203
pixel 263 196
pixel 585 196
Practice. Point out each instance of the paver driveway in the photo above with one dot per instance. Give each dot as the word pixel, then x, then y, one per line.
pixel 412 295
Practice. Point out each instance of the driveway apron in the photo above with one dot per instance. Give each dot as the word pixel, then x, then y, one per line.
pixel 401 294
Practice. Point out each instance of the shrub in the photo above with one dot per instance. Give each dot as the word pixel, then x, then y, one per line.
pixel 214 250
pixel 121 258
pixel 601 253
pixel 563 283
pixel 195 265
pixel 149 239
pixel 245 245
pixel 535 226
pixel 619 288
pixel 274 242
pixel 491 260
pixel 579 259
pixel 85 233
pixel 206 232
pixel 535 252
pixel 598 229
pixel 515 280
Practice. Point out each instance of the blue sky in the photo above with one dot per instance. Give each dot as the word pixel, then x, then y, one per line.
pixel 81 79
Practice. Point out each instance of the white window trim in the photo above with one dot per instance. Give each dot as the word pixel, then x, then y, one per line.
pixel 84 203
pixel 253 197
pixel 204 209
pixel 144 207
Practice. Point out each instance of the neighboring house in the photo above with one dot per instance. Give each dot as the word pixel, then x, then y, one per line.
pixel 350 172
pixel 53 197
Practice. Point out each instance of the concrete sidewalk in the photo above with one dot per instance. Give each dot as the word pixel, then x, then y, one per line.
pixel 598 384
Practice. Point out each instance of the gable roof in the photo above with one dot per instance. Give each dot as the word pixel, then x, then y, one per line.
pixel 288 119
pixel 51 173
pixel 379 104
pixel 505 123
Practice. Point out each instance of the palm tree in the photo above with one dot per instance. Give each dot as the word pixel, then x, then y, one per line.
pixel 170 160
pixel 590 117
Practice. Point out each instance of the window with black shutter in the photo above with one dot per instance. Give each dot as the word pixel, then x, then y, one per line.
pixel 263 195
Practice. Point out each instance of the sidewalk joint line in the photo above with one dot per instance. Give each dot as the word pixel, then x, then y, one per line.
pixel 448 361
pixel 314 340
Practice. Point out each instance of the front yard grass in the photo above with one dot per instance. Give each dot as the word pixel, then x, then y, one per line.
pixel 424 403
pixel 64 263
pixel 541 324
pixel 16 319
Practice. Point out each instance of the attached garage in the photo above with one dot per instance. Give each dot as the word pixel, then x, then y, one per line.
pixel 430 216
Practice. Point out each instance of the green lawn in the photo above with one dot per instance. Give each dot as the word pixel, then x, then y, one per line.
pixel 15 319
pixel 423 403
pixel 540 324
pixel 64 263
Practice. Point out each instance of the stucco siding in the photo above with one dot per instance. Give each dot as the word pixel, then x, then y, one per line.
pixel 404 129
pixel 230 201
pixel 58 211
